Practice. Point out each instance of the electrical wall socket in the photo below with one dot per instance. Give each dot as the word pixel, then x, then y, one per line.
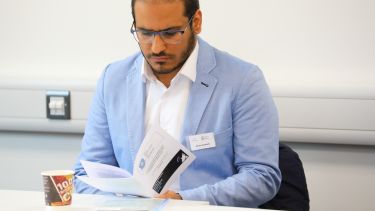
pixel 58 104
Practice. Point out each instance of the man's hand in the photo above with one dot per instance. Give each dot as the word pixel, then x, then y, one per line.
pixel 170 195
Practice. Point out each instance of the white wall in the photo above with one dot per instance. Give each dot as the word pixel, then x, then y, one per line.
pixel 298 42
pixel 339 177
pixel 318 57
pixel 24 155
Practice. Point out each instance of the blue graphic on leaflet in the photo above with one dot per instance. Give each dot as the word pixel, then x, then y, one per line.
pixel 142 163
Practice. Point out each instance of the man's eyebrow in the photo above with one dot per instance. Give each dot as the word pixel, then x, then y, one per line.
pixel 166 29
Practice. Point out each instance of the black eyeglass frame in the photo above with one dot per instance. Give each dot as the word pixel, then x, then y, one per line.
pixel 161 33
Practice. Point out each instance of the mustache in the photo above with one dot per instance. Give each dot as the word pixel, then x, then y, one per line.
pixel 149 56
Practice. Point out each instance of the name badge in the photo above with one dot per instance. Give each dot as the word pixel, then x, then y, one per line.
pixel 202 141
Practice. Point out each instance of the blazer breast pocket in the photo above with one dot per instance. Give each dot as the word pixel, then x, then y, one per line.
pixel 218 159
pixel 221 139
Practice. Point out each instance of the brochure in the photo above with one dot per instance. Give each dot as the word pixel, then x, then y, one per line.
pixel 159 161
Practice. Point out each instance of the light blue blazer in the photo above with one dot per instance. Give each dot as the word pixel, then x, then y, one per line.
pixel 229 98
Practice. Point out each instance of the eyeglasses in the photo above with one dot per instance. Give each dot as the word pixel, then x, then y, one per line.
pixel 171 36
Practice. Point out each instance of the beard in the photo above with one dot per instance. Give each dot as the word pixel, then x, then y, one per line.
pixel 184 56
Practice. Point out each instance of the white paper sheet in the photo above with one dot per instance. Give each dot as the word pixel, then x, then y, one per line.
pixel 99 170
pixel 160 160
pixel 127 186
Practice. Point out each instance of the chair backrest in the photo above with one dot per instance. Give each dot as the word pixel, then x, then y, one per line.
pixel 293 194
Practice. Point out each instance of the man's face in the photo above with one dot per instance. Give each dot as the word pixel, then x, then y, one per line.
pixel 157 16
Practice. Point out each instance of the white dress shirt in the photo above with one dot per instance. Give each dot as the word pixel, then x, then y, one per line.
pixel 166 106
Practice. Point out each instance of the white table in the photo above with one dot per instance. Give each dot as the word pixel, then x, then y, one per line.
pixel 13 200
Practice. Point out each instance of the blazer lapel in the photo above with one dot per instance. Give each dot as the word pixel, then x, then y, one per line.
pixel 136 91
pixel 201 90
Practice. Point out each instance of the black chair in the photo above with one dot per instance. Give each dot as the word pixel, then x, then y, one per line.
pixel 293 194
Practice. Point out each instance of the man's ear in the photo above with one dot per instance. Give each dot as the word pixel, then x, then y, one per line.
pixel 197 22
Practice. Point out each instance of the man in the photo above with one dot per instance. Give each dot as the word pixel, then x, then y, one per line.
pixel 187 87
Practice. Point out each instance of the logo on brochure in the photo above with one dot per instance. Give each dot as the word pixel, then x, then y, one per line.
pixel 182 157
pixel 142 163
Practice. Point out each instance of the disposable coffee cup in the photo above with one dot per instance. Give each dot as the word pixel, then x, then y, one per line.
pixel 58 187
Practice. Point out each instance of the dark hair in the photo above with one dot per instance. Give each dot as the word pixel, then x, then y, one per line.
pixel 191 6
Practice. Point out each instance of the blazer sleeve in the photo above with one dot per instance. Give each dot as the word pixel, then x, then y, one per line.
pixel 255 143
pixel 96 142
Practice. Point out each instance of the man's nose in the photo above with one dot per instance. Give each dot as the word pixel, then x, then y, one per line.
pixel 158 44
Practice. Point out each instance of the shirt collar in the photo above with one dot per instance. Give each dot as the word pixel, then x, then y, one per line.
pixel 189 69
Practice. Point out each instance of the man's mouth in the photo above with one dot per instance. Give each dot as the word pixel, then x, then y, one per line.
pixel 159 58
